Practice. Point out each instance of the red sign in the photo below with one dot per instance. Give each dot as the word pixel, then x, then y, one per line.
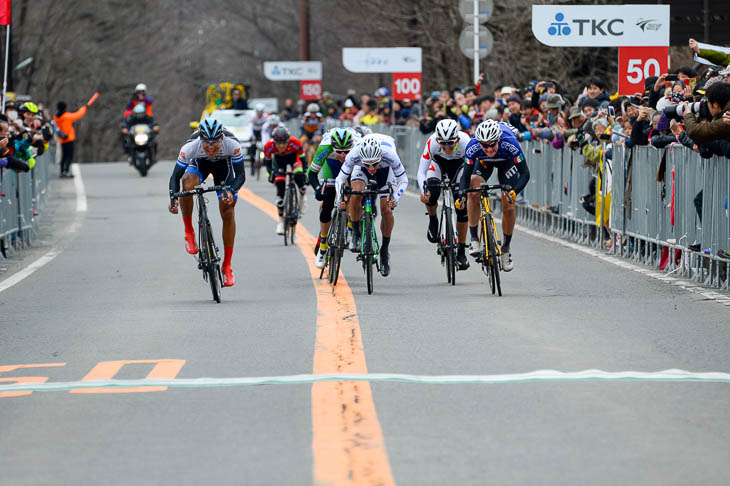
pixel 407 86
pixel 5 12
pixel 310 90
pixel 635 64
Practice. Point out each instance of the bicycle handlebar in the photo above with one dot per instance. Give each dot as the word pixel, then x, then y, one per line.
pixel 484 188
pixel 201 189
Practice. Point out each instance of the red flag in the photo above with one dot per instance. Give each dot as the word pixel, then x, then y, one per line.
pixel 5 12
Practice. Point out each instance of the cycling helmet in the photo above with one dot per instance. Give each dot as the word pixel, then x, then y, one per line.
pixel 273 120
pixel 362 130
pixel 210 129
pixel 139 108
pixel 140 87
pixel 446 130
pixel 313 107
pixel 280 134
pixel 370 151
pixel 488 131
pixel 259 107
pixel 28 106
pixel 342 139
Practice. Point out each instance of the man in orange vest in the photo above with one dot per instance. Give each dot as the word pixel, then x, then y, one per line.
pixel 66 133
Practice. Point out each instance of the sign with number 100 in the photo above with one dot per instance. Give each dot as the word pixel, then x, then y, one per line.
pixel 406 86
pixel 635 64
pixel 310 90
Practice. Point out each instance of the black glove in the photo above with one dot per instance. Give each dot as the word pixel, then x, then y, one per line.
pixel 318 194
pixel 271 177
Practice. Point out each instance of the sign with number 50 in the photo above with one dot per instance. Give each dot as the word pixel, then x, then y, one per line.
pixel 635 64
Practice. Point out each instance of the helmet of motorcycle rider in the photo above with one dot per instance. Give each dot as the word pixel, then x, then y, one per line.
pixel 259 107
pixel 273 119
pixel 281 134
pixel 312 107
pixel 139 109
pixel 140 87
pixel 210 130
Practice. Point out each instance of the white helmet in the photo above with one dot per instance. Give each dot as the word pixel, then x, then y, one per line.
pixel 312 107
pixel 273 119
pixel 488 131
pixel 370 151
pixel 140 87
pixel 447 129
pixel 259 107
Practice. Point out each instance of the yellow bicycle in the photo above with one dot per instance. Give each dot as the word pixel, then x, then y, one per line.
pixel 490 249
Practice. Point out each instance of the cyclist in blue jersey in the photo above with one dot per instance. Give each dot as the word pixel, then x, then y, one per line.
pixel 495 146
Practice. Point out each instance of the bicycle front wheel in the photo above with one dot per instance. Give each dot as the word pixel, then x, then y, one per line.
pixel 339 246
pixel 493 256
pixel 210 265
pixel 293 211
pixel 367 233
pixel 450 247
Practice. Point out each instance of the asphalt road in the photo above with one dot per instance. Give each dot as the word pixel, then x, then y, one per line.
pixel 122 288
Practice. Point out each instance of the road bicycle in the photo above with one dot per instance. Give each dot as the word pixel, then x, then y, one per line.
pixel 207 258
pixel 291 208
pixel 490 249
pixel 336 239
pixel 447 242
pixel 369 246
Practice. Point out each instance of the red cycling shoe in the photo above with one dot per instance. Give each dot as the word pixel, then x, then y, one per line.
pixel 228 279
pixel 190 245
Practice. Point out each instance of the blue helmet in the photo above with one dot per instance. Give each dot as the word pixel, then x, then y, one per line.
pixel 211 129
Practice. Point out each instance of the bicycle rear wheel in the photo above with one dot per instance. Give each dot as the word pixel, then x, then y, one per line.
pixel 450 247
pixel 338 248
pixel 209 260
pixel 493 257
pixel 367 233
pixel 293 212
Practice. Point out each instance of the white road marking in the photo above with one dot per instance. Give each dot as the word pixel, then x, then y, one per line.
pixel 673 375
pixel 80 190
pixel 649 272
pixel 54 252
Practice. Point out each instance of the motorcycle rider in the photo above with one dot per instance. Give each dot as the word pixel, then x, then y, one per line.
pixel 139 97
pixel 139 117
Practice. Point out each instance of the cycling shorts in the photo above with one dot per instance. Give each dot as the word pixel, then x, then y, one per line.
pixel 485 172
pixel 383 175
pixel 204 167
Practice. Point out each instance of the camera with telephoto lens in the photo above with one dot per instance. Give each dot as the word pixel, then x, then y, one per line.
pixel 699 108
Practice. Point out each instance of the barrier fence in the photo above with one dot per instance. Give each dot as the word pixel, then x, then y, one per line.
pixel 21 197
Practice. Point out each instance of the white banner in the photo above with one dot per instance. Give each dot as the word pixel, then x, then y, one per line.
pixel 702 60
pixel 382 59
pixel 293 70
pixel 601 25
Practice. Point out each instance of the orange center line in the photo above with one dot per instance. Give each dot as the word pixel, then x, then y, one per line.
pixel 347 441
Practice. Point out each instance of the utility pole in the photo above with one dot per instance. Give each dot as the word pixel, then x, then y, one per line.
pixel 304 30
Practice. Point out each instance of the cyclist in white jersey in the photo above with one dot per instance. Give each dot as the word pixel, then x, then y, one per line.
pixel 373 158
pixel 444 153
pixel 272 122
pixel 255 125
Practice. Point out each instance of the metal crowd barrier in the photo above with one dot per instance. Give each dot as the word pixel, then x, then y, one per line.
pixel 23 195
pixel 651 215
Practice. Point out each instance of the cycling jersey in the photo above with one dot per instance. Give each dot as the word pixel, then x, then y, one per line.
pixel 312 124
pixel 325 159
pixel 390 160
pixel 509 161
pixel 255 124
pixel 435 158
pixel 229 156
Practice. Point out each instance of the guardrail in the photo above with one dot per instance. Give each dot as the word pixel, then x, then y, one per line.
pixel 652 197
pixel 21 197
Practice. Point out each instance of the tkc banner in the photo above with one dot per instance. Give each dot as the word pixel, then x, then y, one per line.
pixel 293 70
pixel 382 59
pixel 601 25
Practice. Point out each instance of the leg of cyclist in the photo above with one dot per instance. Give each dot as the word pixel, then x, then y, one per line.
pixel 431 203
pixel 228 215
pixel 508 225
pixel 355 211
pixel 325 220
pixel 474 212
pixel 279 170
pixel 299 171
pixel 190 179
pixel 387 223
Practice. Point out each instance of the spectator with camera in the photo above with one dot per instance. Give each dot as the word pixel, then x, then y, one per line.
pixel 712 129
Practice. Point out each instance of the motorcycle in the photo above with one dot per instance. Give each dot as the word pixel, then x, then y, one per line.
pixel 140 141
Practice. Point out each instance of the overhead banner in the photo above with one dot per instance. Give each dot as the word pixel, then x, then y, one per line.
pixel 293 70
pixel 382 59
pixel 601 25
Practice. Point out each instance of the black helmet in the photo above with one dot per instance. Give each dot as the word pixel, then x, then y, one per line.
pixel 211 129
pixel 280 134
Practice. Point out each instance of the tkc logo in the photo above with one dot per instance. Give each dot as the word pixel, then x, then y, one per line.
pixel 594 27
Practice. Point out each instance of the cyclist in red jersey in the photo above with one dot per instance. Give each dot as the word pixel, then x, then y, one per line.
pixel 284 150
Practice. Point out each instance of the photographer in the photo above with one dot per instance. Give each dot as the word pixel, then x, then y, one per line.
pixel 7 150
pixel 718 101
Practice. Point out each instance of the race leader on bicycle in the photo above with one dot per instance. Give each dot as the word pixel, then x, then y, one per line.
pixel 336 144
pixel 374 158
pixel 285 150
pixel 444 153
pixel 495 146
pixel 211 150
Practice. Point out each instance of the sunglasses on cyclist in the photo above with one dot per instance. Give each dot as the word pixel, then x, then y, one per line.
pixel 488 144
pixel 371 164
pixel 210 141
pixel 342 151
pixel 448 143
